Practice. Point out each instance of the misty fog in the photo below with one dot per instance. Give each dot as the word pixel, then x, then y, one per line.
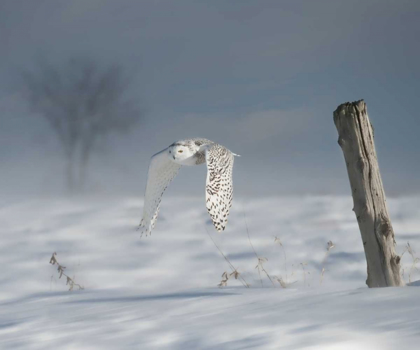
pixel 261 78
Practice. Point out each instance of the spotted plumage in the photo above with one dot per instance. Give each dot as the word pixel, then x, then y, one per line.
pixel 219 190
pixel 165 165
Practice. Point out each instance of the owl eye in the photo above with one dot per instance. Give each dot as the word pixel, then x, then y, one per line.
pixel 180 151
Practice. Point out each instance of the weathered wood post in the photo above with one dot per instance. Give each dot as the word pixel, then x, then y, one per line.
pixel 356 141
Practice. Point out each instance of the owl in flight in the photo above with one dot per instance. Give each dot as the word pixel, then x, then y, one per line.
pixel 166 164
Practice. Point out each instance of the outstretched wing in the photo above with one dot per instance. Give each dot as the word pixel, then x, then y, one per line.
pixel 161 172
pixel 219 189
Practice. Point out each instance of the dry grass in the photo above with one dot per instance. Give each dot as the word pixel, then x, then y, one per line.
pixel 330 245
pixel 60 268
pixel 225 276
pixel 279 242
pixel 261 261
pixel 304 272
pixel 408 249
pixel 260 267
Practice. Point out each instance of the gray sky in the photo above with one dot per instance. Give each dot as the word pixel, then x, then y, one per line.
pixel 260 77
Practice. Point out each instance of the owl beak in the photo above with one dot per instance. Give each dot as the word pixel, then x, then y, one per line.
pixel 173 157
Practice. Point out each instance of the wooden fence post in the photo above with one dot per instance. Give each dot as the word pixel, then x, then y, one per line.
pixel 356 141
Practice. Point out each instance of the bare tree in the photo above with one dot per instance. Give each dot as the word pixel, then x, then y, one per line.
pixel 83 103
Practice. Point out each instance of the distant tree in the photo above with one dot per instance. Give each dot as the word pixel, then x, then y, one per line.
pixel 82 102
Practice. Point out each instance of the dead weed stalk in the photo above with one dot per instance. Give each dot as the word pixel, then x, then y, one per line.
pixel 330 245
pixel 279 242
pixel 60 268
pixel 408 249
pixel 261 261
pixel 235 272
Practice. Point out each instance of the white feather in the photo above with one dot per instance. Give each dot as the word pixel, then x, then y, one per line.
pixel 161 172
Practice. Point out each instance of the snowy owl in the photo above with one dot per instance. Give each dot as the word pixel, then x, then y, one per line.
pixel 166 164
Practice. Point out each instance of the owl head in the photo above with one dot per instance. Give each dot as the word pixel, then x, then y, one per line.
pixel 179 152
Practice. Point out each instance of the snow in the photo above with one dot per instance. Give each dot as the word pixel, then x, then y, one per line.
pixel 160 292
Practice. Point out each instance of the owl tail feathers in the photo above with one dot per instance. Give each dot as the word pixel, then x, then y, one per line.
pixel 144 228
